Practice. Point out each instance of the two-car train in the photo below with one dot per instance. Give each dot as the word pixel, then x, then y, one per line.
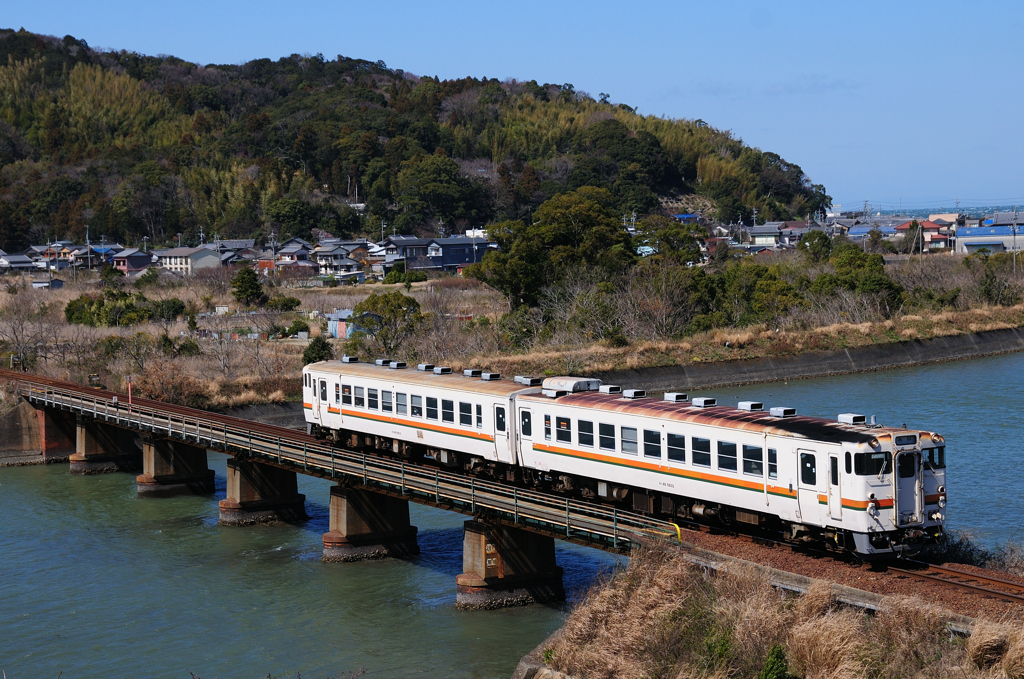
pixel 855 486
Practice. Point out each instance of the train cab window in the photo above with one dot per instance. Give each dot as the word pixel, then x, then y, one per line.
pixel 773 464
pixel 833 470
pixel 627 436
pixel 701 449
pixel 676 448
pixel 447 410
pixel 563 429
pixel 499 419
pixel 360 400
pixel 346 394
pixel 466 414
pixel 432 408
pixel 906 465
pixel 872 464
pixel 652 443
pixel 849 463
pixel 607 436
pixel 417 406
pixel 585 433
pixel 936 458
pixel 400 403
pixel 526 423
pixel 385 401
pixel 727 456
pixel 323 390
pixel 808 470
pixel 547 427
pixel 479 416
pixel 337 393
pixel 371 399
pixel 753 460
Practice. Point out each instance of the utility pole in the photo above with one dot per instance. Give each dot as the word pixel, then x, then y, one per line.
pixel 1014 241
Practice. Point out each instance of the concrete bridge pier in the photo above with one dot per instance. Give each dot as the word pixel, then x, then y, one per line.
pixel 367 525
pixel 35 436
pixel 504 566
pixel 56 433
pixel 102 448
pixel 173 468
pixel 260 493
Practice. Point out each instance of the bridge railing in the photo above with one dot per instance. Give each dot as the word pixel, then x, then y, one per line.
pixel 535 510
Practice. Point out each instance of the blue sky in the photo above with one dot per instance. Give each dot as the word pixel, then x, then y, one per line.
pixel 892 101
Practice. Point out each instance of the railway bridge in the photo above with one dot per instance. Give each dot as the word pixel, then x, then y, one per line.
pixel 508 544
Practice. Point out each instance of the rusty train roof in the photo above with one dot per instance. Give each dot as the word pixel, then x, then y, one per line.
pixel 816 428
pixel 503 387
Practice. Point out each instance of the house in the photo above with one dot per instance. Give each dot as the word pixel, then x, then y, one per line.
pixel 335 260
pixel 398 248
pixel 294 250
pixel 450 254
pixel 131 261
pixel 688 218
pixel 51 284
pixel 16 263
pixel 186 261
pixel 339 325
pixel 768 233
pixel 862 231
pixel 935 235
pixel 992 238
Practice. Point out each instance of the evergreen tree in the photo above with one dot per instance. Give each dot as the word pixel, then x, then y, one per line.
pixel 246 287
pixel 318 350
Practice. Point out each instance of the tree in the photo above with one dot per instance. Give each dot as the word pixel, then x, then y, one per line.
pixel 246 287
pixel 318 350
pixel 816 244
pixel 387 320
pixel 671 239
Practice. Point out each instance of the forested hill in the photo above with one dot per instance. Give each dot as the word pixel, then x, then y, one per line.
pixel 139 146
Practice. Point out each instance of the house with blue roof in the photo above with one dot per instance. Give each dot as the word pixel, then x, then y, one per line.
pixel 992 238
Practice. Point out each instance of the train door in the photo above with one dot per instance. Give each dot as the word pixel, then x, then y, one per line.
pixel 835 487
pixel 501 447
pixel 909 490
pixel 525 437
pixel 807 488
pixel 322 401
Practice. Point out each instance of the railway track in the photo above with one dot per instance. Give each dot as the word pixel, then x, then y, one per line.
pixel 984 585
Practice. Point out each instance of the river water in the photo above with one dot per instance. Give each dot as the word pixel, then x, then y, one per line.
pixel 98 583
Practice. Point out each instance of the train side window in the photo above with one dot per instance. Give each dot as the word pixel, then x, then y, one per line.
pixel 677 447
pixel 499 419
pixel 323 390
pixel 753 460
pixel 808 470
pixel 585 433
pixel 417 406
pixel 628 440
pixel 547 427
pixel 346 394
pixel 337 393
pixel 833 469
pixel 466 414
pixel 431 408
pixel 305 380
pixel 849 463
pixel 385 401
pixel 727 456
pixel 479 416
pixel 526 423
pixel 701 449
pixel 563 429
pixel 652 443
pixel 400 403
pixel 371 399
pixel 607 436
pixel 359 397
pixel 447 410
pixel 773 464
pixel 872 464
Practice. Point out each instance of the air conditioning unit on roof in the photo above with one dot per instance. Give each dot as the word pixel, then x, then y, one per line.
pixel 425 367
pixel 750 405
pixel 350 359
pixel 704 402
pixel 442 370
pixel 675 397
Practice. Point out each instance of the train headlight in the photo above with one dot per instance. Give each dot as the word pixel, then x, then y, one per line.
pixel 873 508
pixel 873 443
pixel 942 502
pixel 935 516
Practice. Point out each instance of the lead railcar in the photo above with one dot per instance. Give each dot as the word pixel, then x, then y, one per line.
pixel 863 488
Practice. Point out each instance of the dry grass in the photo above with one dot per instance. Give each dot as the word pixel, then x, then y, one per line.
pixel 661 617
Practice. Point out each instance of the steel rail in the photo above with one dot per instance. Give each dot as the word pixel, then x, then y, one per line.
pixel 549 513
pixel 1016 598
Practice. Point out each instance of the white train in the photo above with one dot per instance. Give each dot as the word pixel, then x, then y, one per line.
pixel 852 485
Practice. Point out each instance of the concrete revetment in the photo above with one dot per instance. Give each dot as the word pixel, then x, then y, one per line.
pixel 365 525
pixel 260 493
pixel 504 566
pixel 101 448
pixel 173 468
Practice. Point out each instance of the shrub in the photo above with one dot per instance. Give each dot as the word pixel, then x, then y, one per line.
pixel 318 350
pixel 284 303
pixel 297 326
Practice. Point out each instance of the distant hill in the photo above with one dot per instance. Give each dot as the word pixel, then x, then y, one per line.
pixel 136 146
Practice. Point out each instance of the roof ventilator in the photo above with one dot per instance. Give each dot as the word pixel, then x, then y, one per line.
pixel 471 372
pixel 634 393
pixel 442 370
pixel 383 362
pixel 397 365
pixel 528 381
pixel 350 359
pixel 704 402
pixel 553 393
pixel 425 367
pixel 490 377
pixel 571 384
pixel 610 389
pixel 852 418
pixel 675 397
pixel 750 406
pixel 783 412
